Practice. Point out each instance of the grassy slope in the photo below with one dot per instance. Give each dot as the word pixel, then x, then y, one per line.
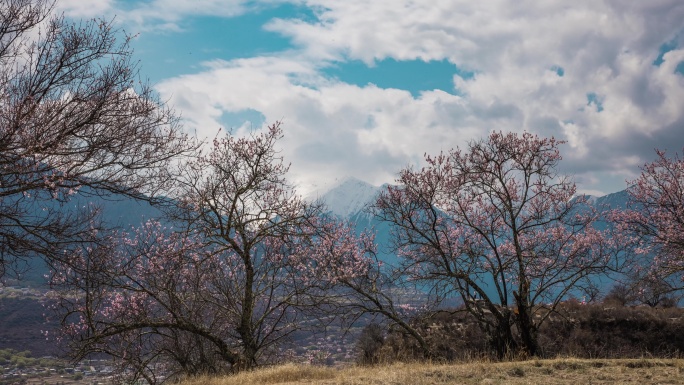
pixel 558 371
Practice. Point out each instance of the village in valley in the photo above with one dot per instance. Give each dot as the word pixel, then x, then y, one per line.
pixel 23 369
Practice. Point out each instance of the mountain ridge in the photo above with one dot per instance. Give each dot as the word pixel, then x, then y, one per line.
pixel 349 198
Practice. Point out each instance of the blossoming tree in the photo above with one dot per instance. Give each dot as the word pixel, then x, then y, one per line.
pixel 74 119
pixel 654 222
pixel 357 283
pixel 220 291
pixel 238 199
pixel 498 226
pixel 141 299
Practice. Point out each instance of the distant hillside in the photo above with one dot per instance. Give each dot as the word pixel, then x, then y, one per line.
pixel 117 211
pixel 22 323
pixel 22 309
pixel 350 199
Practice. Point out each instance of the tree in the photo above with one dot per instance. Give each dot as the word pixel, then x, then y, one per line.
pixel 357 283
pixel 142 300
pixel 217 294
pixel 655 291
pixel 619 294
pixel 74 120
pixel 497 226
pixel 237 197
pixel 654 222
pixel 646 289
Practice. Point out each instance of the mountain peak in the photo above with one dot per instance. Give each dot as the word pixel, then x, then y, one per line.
pixel 350 182
pixel 348 196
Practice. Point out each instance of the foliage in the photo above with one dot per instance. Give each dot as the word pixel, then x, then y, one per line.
pixel 369 342
pixel 610 331
pixel 12 359
pixel 647 290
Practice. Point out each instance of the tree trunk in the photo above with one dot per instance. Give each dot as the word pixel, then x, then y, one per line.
pixel 501 337
pixel 246 328
pixel 527 329
pixel 528 333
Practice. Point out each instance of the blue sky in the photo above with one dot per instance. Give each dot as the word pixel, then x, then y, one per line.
pixel 366 88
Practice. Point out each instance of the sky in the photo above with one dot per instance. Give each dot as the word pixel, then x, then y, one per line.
pixel 366 88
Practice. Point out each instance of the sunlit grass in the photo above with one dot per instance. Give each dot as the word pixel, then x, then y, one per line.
pixel 556 371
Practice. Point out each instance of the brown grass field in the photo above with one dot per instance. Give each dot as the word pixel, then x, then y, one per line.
pixel 556 371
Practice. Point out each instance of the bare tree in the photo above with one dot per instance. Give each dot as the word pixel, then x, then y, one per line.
pixel 74 119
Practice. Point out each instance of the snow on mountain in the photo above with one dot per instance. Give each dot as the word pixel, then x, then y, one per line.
pixel 348 197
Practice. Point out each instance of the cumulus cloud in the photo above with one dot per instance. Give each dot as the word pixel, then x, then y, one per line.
pixel 332 128
pixel 590 72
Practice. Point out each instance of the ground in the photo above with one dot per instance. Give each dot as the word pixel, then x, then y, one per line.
pixel 547 372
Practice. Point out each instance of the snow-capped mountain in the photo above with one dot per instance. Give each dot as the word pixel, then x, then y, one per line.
pixel 604 204
pixel 348 198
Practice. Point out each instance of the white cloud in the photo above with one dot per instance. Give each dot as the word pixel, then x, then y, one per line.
pixel 604 48
pixel 153 15
pixel 84 9
pixel 332 128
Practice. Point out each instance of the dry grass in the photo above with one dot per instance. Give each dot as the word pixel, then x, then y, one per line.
pixel 557 371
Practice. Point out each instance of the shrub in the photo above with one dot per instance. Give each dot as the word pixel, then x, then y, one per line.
pixel 585 331
pixel 369 343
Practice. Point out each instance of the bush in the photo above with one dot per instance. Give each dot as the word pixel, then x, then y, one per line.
pixel 369 343
pixel 600 331
pixel 583 331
